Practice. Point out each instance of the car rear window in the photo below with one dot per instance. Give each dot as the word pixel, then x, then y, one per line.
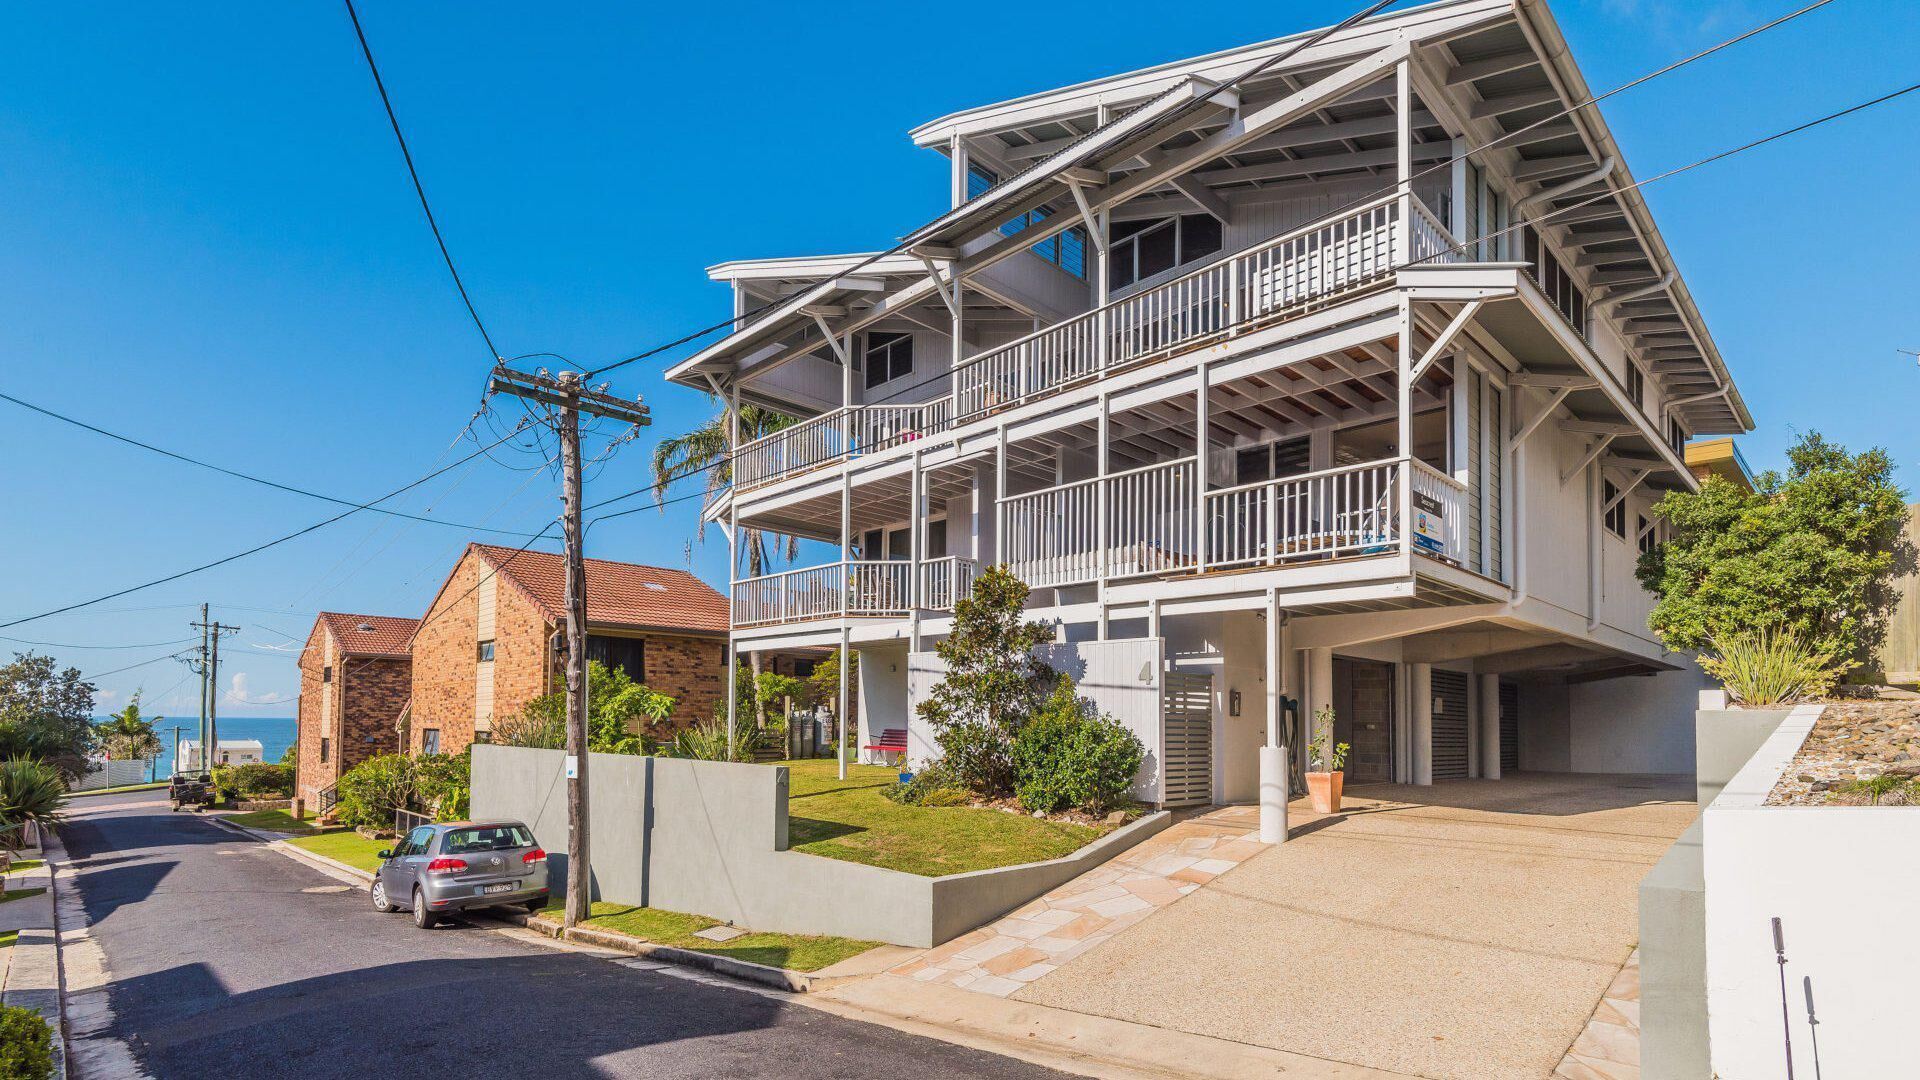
pixel 487 838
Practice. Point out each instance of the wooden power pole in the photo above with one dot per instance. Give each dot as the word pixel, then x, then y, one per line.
pixel 209 668
pixel 565 394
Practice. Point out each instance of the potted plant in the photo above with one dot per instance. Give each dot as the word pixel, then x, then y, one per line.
pixel 1326 762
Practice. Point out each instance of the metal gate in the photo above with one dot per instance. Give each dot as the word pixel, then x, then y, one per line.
pixel 1186 740
pixel 1449 725
pixel 1509 728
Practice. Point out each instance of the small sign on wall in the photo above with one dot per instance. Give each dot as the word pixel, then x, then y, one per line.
pixel 573 767
pixel 1429 524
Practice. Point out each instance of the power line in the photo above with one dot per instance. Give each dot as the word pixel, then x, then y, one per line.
pixel 250 551
pixel 387 103
pixel 130 667
pixel 130 441
pixel 65 645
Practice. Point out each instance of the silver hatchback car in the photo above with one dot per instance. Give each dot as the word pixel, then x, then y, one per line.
pixel 454 866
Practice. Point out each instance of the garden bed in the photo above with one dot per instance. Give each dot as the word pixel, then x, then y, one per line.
pixel 853 820
pixel 1851 743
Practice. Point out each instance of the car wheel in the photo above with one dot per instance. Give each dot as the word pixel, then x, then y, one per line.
pixel 422 918
pixel 380 902
pixel 536 905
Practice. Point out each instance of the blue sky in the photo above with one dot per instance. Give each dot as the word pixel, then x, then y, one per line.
pixel 207 240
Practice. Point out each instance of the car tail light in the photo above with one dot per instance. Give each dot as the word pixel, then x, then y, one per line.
pixel 534 856
pixel 447 866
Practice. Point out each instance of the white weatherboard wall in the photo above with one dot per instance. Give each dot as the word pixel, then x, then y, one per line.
pixel 1845 883
pixel 1121 678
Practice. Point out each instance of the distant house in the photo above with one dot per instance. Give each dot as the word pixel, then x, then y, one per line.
pixel 1718 457
pixel 491 641
pixel 355 674
pixel 231 752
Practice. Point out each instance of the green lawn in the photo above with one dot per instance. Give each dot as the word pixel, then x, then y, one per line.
pixel 25 864
pixel 348 847
pixel 851 819
pixel 19 894
pixel 271 821
pixel 795 951
pixel 7 939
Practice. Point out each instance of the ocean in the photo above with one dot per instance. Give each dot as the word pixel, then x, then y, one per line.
pixel 274 732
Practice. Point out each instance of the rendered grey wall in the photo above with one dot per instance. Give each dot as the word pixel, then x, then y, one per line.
pixel 1673 909
pixel 710 838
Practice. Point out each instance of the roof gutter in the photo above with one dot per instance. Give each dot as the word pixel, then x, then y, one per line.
pixel 1547 195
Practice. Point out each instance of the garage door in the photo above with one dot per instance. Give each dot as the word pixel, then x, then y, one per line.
pixel 1186 740
pixel 1449 725
pixel 1509 728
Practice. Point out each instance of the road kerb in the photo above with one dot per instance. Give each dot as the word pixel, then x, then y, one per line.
pixel 33 978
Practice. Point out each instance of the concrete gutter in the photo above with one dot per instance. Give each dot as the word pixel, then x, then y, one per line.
pixel 775 978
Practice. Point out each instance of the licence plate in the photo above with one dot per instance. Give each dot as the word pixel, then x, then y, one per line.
pixel 505 886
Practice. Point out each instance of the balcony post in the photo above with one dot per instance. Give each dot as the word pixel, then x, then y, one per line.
pixel 846 540
pixel 1403 441
pixel 1102 498
pixel 916 548
pixel 1002 545
pixel 959 349
pixel 1403 172
pixel 1201 404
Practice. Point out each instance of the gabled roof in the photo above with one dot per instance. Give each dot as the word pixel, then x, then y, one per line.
pixel 625 595
pixel 370 635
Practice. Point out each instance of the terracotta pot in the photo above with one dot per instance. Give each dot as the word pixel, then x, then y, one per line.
pixel 1323 788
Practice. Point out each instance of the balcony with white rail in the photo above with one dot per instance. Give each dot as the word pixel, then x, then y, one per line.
pixel 1274 280
pixel 857 588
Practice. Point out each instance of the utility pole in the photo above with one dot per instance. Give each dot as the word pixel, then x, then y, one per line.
pixel 209 668
pixel 565 393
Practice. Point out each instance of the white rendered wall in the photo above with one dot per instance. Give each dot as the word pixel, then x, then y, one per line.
pixel 1843 881
pixel 1636 724
pixel 883 692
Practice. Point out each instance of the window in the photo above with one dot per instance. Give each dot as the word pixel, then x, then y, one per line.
pixel 1374 441
pixel 485 838
pixel 1636 385
pixel 1615 507
pixel 419 841
pixel 323 749
pixel 326 674
pixel 803 669
pixel 486 652
pixel 625 653
pixel 1141 249
pixel 1677 437
pixel 1555 282
pixel 1271 461
pixel 1646 537
pixel 430 740
pixel 888 356
pixel 1066 250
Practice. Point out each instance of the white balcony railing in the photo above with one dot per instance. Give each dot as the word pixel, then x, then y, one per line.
pixel 945 580
pixel 1347 511
pixel 829 437
pixel 857 588
pixel 1273 279
pixel 1128 524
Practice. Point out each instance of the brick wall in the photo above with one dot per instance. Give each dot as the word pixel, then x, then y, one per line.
pixel 309 774
pixel 446 657
pixel 690 669
pixel 371 692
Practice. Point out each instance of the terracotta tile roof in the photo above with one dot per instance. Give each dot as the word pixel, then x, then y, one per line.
pixel 370 635
pixel 618 594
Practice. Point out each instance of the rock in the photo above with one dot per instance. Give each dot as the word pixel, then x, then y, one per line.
pixel 1118 817
pixel 1040 813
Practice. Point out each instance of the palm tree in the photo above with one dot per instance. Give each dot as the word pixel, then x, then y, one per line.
pixel 128 735
pixel 705 449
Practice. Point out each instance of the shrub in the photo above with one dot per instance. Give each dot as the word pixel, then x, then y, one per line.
pixel 1762 668
pixel 623 716
pixel 1069 755
pixel 256 781
pixel 533 726
pixel 993 683
pixel 443 783
pixel 30 791
pixel 931 786
pixel 26 1045
pixel 371 791
pixel 708 742
pixel 1895 789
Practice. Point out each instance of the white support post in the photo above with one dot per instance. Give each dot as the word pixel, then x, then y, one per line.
pixel 1490 727
pixel 1403 439
pixel 1202 404
pixel 1403 170
pixel 959 353
pixel 1420 676
pixel 1153 618
pixel 846 721
pixel 1102 497
pixel 916 550
pixel 1000 545
pixel 957 151
pixel 1273 755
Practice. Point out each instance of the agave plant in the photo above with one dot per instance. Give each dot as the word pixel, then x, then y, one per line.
pixel 1764 668
pixel 708 742
pixel 31 792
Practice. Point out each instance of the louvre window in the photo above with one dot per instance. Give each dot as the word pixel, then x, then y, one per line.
pixel 627 654
pixel 1555 282
pixel 486 651
pixel 888 356
pixel 1636 385
pixel 1141 249
pixel 1647 539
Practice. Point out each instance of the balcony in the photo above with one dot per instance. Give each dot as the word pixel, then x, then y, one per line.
pixel 852 589
pixel 1274 280
pixel 1149 522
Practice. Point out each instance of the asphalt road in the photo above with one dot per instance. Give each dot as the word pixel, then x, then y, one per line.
pixel 228 959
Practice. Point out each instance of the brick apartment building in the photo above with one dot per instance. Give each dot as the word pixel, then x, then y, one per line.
pixel 355 675
pixel 490 641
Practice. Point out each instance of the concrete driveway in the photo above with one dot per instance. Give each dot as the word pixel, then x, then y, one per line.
pixel 1465 930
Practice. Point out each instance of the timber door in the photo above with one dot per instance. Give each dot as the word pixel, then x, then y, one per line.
pixel 1186 740
pixel 1509 728
pixel 1363 718
pixel 1449 725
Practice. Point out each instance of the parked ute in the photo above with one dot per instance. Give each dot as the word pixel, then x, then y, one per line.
pixel 460 865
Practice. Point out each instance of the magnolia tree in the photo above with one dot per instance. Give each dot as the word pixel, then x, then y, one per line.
pixel 1808 557
pixel 994 683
